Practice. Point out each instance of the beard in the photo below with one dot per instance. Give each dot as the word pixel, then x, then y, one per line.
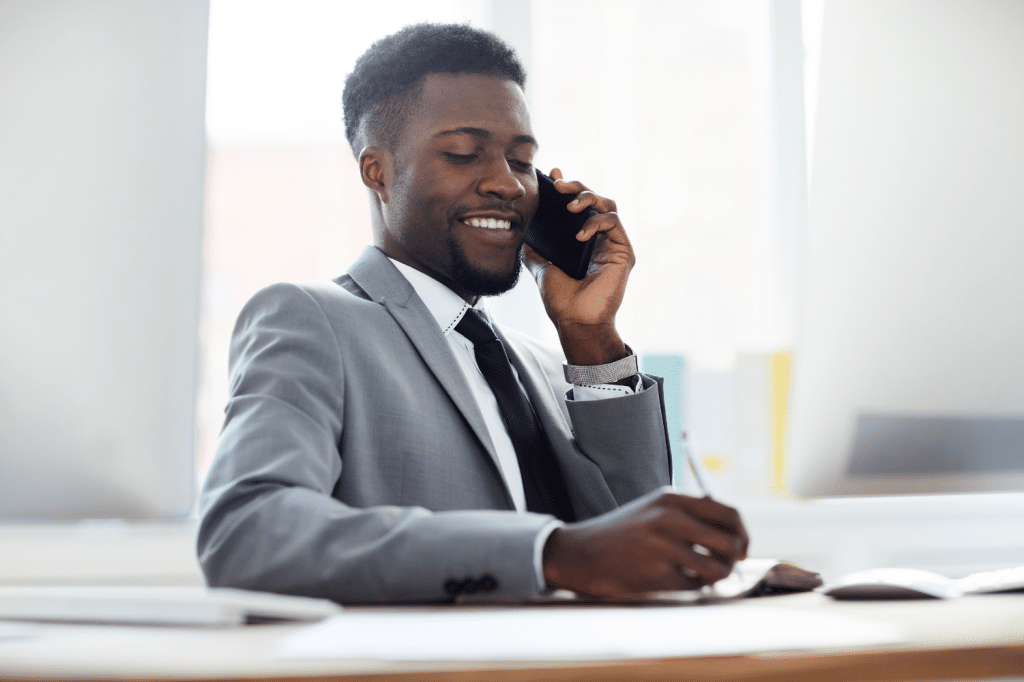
pixel 476 281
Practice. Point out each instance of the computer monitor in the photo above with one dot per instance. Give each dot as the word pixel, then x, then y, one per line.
pixel 102 155
pixel 909 366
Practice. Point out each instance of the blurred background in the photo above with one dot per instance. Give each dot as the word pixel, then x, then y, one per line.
pixel 670 108
pixel 697 117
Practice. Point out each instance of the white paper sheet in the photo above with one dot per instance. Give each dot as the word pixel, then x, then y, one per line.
pixel 889 583
pixel 573 633
pixel 16 630
pixel 155 605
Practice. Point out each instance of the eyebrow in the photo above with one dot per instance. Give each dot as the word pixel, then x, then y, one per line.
pixel 484 134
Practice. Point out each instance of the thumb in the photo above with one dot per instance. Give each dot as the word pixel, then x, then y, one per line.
pixel 535 262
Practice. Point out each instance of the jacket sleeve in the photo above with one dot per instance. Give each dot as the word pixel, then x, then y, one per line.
pixel 627 438
pixel 613 450
pixel 268 520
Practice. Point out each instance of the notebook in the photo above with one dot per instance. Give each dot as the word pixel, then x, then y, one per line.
pixel 911 583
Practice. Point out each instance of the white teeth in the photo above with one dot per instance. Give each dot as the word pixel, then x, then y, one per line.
pixel 490 223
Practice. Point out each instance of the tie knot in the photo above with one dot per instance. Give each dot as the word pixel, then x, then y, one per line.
pixel 475 328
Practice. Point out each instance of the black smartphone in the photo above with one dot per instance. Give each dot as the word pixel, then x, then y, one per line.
pixel 552 232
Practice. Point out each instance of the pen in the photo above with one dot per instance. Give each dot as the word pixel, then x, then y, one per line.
pixel 699 472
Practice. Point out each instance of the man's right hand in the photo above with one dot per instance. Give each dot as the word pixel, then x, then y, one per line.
pixel 662 541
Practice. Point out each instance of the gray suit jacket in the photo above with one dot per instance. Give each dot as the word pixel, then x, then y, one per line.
pixel 355 465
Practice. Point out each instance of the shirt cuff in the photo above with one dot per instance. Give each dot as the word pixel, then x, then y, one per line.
pixel 538 551
pixel 591 375
pixel 601 391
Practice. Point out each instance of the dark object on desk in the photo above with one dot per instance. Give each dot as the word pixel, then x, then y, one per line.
pixel 765 577
pixel 878 593
pixel 785 578
pixel 552 232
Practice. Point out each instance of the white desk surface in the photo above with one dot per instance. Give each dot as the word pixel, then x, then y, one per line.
pixel 971 637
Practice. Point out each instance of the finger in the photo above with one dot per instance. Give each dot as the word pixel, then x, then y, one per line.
pixel 555 174
pixel 540 268
pixel 572 187
pixel 534 262
pixel 687 530
pixel 676 522
pixel 587 199
pixel 613 245
pixel 665 565
pixel 724 517
pixel 689 581
pixel 608 223
pixel 568 186
pixel 692 569
pixel 707 509
pixel 703 568
pixel 684 579
pixel 533 259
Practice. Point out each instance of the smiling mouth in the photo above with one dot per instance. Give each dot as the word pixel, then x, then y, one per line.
pixel 489 223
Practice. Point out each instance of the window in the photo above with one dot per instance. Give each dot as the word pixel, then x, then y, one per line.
pixel 663 106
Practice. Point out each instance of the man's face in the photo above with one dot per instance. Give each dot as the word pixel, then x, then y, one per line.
pixel 463 187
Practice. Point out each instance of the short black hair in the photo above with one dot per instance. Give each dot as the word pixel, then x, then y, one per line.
pixel 387 79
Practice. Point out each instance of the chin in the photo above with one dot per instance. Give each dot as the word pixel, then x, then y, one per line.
pixel 476 280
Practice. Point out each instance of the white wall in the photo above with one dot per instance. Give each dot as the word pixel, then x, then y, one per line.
pixel 101 187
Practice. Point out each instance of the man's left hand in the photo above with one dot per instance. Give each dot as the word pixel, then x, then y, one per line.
pixel 583 311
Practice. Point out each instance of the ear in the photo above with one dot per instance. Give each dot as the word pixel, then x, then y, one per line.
pixel 375 170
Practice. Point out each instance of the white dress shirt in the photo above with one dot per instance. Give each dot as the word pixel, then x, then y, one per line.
pixel 447 307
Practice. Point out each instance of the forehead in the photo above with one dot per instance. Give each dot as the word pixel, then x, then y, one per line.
pixel 452 101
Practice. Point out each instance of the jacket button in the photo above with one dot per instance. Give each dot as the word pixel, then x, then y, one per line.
pixel 454 588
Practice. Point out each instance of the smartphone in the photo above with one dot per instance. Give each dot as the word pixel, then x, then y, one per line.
pixel 552 232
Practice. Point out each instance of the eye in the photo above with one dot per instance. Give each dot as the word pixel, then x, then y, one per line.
pixel 524 166
pixel 459 158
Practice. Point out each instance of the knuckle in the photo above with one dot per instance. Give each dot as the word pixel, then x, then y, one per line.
pixel 715 570
pixel 667 493
pixel 661 499
pixel 659 517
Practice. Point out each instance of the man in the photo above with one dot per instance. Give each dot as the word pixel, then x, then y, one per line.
pixel 369 453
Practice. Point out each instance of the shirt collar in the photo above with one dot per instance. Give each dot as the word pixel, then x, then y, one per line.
pixel 445 305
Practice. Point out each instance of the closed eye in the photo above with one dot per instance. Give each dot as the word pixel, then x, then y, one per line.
pixel 460 158
pixel 524 166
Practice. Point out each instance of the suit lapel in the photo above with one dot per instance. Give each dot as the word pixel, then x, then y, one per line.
pixel 383 283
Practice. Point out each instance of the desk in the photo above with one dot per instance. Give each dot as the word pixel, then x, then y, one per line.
pixel 972 637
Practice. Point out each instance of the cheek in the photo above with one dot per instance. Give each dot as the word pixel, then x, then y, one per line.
pixel 423 223
pixel 414 206
pixel 428 194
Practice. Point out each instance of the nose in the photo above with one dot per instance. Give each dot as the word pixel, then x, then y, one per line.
pixel 499 181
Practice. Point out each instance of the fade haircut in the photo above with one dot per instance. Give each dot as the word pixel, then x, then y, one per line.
pixel 386 81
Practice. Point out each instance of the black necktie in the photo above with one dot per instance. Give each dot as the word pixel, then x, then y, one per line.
pixel 542 479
